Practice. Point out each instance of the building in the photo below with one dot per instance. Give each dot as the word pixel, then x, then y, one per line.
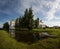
pixel 41 24
pixel 12 24
pixel 12 28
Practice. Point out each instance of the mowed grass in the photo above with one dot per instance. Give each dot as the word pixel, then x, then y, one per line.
pixel 6 42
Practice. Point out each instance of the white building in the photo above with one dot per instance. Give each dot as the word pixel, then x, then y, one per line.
pixel 41 24
pixel 12 24
pixel 12 28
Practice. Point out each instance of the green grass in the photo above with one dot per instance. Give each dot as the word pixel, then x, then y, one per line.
pixel 6 42
pixel 48 43
pixel 50 31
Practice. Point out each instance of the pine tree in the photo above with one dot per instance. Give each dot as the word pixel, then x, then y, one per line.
pixel 26 18
pixel 17 24
pixel 6 26
pixel 30 19
pixel 26 21
pixel 37 23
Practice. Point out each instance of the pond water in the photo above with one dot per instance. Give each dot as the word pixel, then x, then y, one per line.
pixel 40 35
pixel 29 37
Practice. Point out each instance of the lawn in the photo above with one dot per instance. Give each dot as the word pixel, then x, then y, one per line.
pixel 6 42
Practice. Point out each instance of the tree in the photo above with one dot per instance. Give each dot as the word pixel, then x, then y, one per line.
pixel 30 19
pixel 37 23
pixel 6 26
pixel 21 22
pixel 26 21
pixel 17 24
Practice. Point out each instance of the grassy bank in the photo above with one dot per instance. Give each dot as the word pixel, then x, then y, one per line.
pixel 48 43
pixel 50 31
pixel 6 42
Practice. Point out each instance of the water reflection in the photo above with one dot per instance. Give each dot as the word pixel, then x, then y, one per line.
pixel 25 36
pixel 12 33
pixel 36 36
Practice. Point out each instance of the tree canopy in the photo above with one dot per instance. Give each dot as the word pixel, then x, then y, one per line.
pixel 26 21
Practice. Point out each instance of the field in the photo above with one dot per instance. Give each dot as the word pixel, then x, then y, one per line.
pixel 6 42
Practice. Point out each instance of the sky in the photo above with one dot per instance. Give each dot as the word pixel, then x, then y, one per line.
pixel 46 10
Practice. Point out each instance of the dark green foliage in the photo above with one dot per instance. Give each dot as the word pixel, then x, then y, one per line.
pixel 26 18
pixel 6 26
pixel 30 19
pixel 37 23
pixel 17 24
pixel 25 21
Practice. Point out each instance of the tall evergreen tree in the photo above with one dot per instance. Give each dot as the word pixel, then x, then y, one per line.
pixel 26 18
pixel 25 21
pixel 17 24
pixel 30 19
pixel 21 22
pixel 6 26
pixel 37 23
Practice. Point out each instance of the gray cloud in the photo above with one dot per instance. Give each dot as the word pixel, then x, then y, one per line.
pixel 9 5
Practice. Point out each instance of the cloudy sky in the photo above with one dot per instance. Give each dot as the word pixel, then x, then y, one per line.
pixel 46 10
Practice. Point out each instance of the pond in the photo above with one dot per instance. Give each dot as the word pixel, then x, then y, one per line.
pixel 40 35
pixel 26 36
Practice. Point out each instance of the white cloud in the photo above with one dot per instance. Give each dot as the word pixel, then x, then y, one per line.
pixel 38 7
pixel 54 7
pixel 52 23
pixel 57 18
